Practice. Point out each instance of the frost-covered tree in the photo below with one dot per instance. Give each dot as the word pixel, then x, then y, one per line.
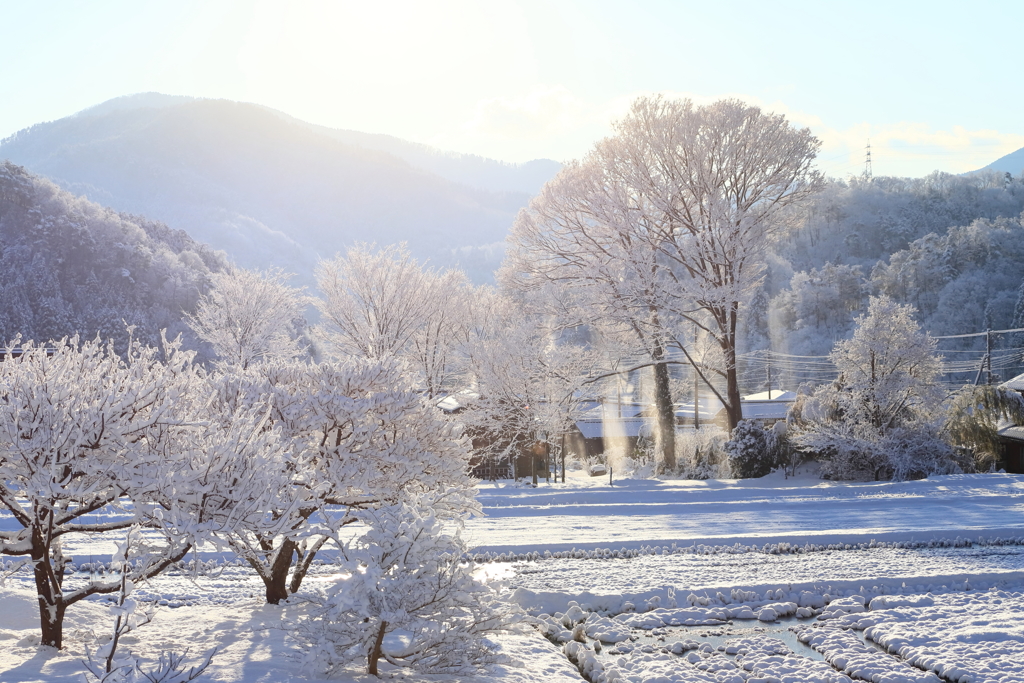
pixel 668 221
pixel 76 425
pixel 410 599
pixel 529 379
pixel 881 417
pixel 358 435
pixel 250 316
pixel 382 304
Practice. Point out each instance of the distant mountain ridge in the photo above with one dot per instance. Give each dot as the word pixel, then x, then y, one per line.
pixel 270 190
pixel 1012 163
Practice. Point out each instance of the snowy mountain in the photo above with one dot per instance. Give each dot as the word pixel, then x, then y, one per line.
pixel 271 190
pixel 1012 163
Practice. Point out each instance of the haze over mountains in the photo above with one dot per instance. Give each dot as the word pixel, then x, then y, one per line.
pixel 269 189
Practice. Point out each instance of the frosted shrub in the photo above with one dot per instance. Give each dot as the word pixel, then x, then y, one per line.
pixel 410 599
pixel 752 450
pixel 639 463
pixel 880 419
pixel 701 455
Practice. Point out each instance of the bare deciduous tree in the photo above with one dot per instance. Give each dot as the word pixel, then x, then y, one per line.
pixel 667 222
pixel 383 304
pixel 250 316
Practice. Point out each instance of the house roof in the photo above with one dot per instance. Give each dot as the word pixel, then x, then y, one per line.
pixel 614 427
pixel 776 395
pixel 1012 432
pixel 765 410
pixel 611 409
pixel 453 402
pixel 1015 384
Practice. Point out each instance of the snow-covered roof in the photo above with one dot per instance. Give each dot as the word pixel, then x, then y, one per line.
pixel 685 410
pixel 613 427
pixel 1013 432
pixel 765 410
pixel 453 402
pixel 612 409
pixel 1015 384
pixel 776 395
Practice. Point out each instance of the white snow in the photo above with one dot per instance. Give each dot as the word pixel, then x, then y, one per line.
pixel 652 557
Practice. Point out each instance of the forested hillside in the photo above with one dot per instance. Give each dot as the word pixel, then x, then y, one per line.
pixel 270 190
pixel 68 265
pixel 953 246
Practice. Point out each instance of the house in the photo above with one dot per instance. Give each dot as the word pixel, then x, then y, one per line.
pixel 1012 436
pixel 517 461
pixel 766 408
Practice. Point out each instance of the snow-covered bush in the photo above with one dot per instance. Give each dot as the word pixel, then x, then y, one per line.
pixel 880 419
pixel 700 453
pixel 752 450
pixel 410 599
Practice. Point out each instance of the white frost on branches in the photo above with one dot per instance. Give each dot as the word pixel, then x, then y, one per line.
pixel 410 599
pixel 250 316
pixel 882 417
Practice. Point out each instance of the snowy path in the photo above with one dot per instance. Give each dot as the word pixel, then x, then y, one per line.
pixel 588 513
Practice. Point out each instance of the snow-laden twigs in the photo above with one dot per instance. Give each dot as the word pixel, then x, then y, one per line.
pixel 407 577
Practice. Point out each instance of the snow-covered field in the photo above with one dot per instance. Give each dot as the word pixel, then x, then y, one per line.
pixel 761 580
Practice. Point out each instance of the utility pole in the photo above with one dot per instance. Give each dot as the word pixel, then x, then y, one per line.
pixel 769 375
pixel 988 353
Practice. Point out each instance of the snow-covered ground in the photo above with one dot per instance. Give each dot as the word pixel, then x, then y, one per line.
pixel 759 580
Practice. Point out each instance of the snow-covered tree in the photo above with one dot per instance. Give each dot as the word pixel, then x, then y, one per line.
pixel 382 304
pixel 668 221
pixel 753 451
pixel 76 424
pixel 528 376
pixel 250 316
pixel 409 599
pixel 882 416
pixel 358 436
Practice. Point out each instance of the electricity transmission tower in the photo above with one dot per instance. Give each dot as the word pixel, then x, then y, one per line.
pixel 867 160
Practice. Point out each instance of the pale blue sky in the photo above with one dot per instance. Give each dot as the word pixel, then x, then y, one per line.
pixel 934 85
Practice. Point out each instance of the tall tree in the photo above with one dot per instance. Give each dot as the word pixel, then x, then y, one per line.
pixel 667 222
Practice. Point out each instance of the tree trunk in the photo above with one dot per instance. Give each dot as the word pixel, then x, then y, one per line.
pixel 305 559
pixel 51 601
pixel 277 580
pixel 375 651
pixel 735 408
pixel 665 438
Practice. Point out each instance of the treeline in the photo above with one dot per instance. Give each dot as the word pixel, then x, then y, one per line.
pixel 69 266
pixel 949 245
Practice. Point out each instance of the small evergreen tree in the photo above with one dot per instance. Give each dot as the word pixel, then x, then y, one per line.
pixel 751 450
